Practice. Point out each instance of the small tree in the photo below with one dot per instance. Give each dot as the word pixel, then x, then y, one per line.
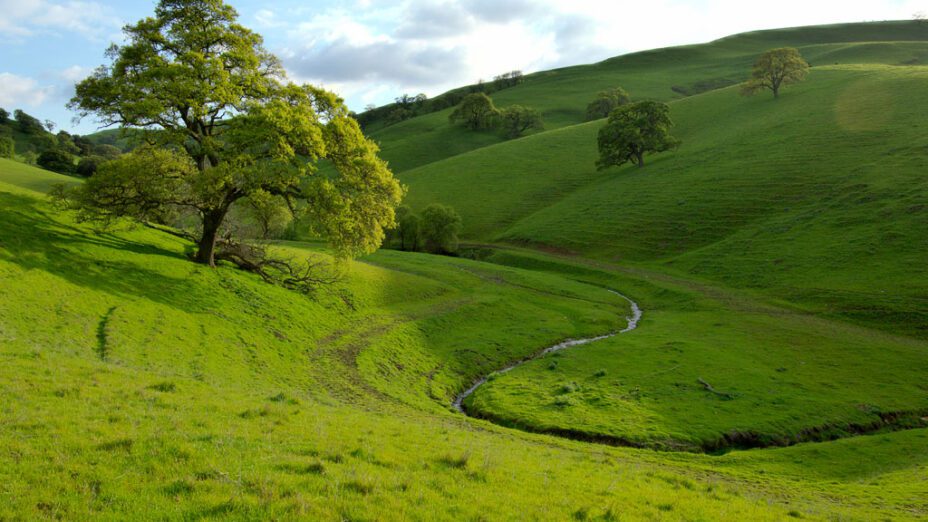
pixel 606 102
pixel 633 131
pixel 4 116
pixel 7 147
pixel 516 119
pixel 476 111
pixel 226 124
pixel 88 165
pixel 56 160
pixel 438 229
pixel 774 69
pixel 407 231
pixel 27 124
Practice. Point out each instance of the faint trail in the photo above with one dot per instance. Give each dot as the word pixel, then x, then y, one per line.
pixel 633 320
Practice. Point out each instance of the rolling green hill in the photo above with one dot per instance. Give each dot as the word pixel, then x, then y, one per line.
pixel 818 197
pixel 664 74
pixel 778 370
pixel 131 373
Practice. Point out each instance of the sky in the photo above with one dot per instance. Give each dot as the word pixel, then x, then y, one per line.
pixel 371 51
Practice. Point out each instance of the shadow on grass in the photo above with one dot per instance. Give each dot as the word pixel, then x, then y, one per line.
pixel 33 239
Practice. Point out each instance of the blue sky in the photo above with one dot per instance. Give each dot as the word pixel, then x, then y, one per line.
pixel 371 51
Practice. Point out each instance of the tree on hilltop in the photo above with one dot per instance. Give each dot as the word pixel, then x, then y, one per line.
pixel 476 111
pixel 633 131
pixel 224 124
pixel 775 69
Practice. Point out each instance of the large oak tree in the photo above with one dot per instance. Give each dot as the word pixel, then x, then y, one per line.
pixel 775 69
pixel 223 124
pixel 633 131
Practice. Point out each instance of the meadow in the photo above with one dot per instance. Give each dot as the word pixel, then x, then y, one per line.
pixel 777 372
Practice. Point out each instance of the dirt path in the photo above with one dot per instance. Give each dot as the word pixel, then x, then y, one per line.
pixel 633 320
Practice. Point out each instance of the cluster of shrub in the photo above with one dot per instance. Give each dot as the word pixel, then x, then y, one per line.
pixel 434 230
pixel 408 106
pixel 477 112
pixel 62 152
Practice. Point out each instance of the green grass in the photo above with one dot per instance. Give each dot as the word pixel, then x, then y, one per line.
pixel 664 74
pixel 778 256
pixel 780 375
pixel 131 373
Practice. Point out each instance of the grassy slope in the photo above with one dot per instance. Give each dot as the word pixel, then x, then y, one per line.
pixel 782 372
pixel 210 394
pixel 822 189
pixel 562 94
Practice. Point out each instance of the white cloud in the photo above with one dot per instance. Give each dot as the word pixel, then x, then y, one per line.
pixel 16 91
pixel 26 17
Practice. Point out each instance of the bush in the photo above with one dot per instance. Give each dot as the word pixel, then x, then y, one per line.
pixel 88 165
pixel 57 161
pixel 438 229
pixel 7 147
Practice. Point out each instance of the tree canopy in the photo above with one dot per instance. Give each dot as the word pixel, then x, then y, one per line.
pixel 476 111
pixel 775 69
pixel 606 102
pixel 516 119
pixel 223 124
pixel 439 227
pixel 633 131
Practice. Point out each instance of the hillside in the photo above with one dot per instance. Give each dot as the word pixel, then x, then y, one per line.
pixel 812 191
pixel 213 395
pixel 744 322
pixel 664 74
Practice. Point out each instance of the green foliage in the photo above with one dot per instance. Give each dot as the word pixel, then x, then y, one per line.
pixel 516 119
pixel 181 76
pixel 633 131
pixel 7 147
pixel 774 69
pixel 28 124
pixel 406 233
pixel 56 160
pixel 4 116
pixel 606 102
pixel 439 228
pixel 88 165
pixel 476 112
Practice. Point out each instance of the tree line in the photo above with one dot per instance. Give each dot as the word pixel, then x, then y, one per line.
pixel 63 152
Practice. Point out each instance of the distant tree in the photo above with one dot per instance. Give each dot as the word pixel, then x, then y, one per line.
pixel 106 151
pixel 29 157
pixel 508 79
pixel 920 17
pixel 407 231
pixel 66 143
pixel 88 165
pixel 633 131
pixel 225 124
pixel 398 114
pixel 606 102
pixel 27 124
pixel 50 125
pixel 476 111
pixel 439 228
pixel 4 116
pixel 56 160
pixel 516 119
pixel 774 69
pixel 7 147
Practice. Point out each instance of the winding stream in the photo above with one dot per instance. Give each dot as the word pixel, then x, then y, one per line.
pixel 633 319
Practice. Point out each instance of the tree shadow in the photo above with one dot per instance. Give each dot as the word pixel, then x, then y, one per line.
pixel 33 239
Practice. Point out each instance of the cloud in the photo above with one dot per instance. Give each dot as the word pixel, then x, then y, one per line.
pixel 435 21
pixel 17 91
pixel 23 18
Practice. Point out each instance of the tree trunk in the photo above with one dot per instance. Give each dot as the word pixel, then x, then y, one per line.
pixel 206 247
pixel 640 156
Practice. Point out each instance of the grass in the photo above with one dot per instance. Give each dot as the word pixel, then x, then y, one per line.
pixel 664 74
pixel 131 373
pixel 206 409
